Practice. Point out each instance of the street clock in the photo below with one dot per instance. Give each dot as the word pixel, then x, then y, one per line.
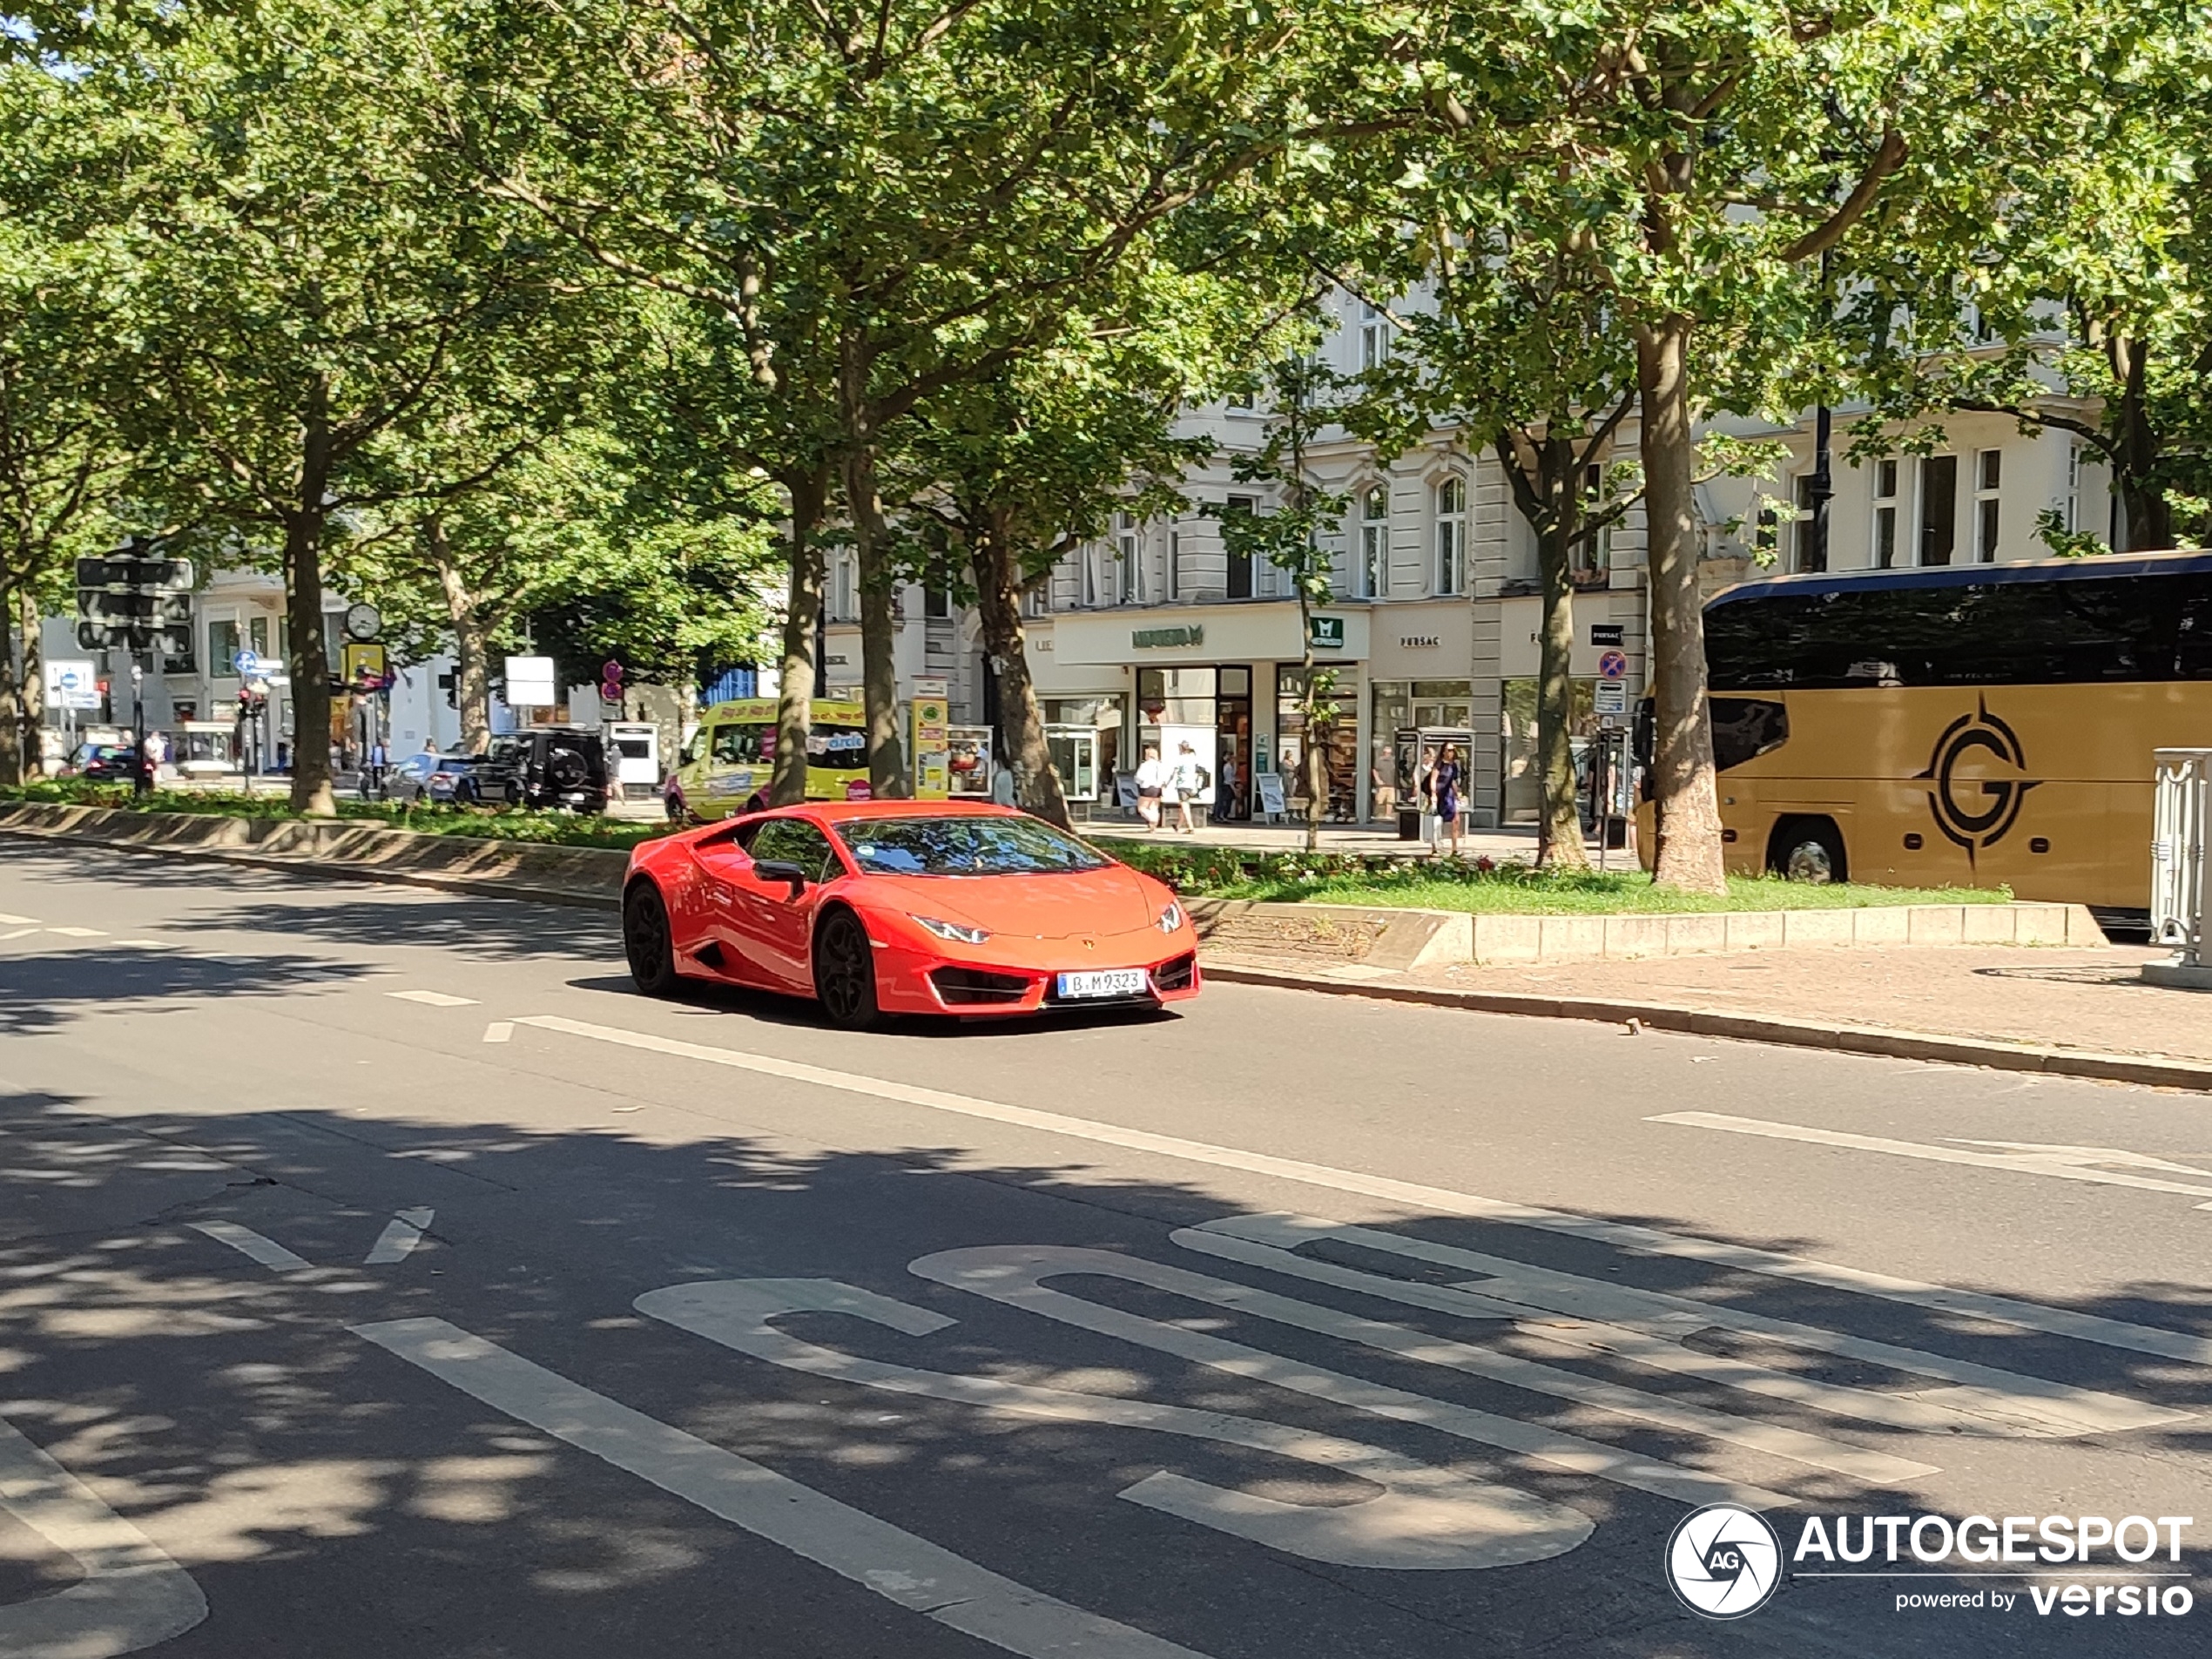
pixel 364 621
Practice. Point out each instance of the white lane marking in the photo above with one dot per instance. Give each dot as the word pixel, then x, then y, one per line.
pixel 250 1243
pixel 1426 1519
pixel 20 933
pixel 1647 1327
pixel 499 1031
pixel 1011 1274
pixel 79 932
pixel 910 1571
pixel 2082 1328
pixel 2040 1163
pixel 2045 1151
pixel 402 1234
pixel 6 920
pixel 140 944
pixel 434 999
pixel 132 1595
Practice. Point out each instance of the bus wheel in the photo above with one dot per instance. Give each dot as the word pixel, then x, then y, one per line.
pixel 1808 850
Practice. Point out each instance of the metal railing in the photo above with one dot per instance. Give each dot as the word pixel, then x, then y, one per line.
pixel 2180 870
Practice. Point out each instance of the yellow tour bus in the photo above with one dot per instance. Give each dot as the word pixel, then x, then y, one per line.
pixel 1959 725
pixel 730 760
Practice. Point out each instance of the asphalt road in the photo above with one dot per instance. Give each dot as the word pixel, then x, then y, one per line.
pixel 379 1274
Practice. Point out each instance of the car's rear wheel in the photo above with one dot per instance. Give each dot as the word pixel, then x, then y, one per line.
pixel 647 939
pixel 845 971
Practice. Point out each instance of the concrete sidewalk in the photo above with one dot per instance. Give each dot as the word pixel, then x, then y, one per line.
pixel 1372 839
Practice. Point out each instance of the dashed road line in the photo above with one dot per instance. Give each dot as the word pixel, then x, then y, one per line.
pixel 20 933
pixel 1941 1298
pixel 79 932
pixel 6 920
pixel 499 1031
pixel 434 999
pixel 254 1246
pixel 910 1571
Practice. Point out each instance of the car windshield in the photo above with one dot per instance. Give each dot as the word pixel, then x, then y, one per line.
pixel 980 845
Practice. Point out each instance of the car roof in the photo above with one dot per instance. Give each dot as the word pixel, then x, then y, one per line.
pixel 848 811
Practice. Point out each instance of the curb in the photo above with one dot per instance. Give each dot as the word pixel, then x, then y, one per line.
pixel 2154 1071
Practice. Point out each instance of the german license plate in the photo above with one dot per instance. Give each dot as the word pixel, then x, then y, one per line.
pixel 1105 981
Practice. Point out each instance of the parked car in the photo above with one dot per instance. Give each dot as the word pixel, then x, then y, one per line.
pixel 546 766
pixel 430 777
pixel 104 763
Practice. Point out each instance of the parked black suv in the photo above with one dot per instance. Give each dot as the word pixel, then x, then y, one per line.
pixel 545 766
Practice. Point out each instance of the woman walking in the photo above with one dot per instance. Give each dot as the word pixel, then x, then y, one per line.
pixel 1444 787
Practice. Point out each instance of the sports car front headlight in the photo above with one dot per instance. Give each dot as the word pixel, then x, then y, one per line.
pixel 955 930
pixel 1171 918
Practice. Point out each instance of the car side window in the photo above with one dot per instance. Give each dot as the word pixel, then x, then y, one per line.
pixel 793 840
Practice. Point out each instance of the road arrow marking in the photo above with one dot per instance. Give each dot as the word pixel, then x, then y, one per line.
pixel 401 1235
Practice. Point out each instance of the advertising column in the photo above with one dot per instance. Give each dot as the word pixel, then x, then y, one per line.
pixel 931 744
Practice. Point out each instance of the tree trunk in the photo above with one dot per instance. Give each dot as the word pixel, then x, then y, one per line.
pixel 310 662
pixel 1687 809
pixel 31 688
pixel 878 628
pixel 998 584
pixel 809 490
pixel 1558 824
pixel 471 642
pixel 2147 517
pixel 16 764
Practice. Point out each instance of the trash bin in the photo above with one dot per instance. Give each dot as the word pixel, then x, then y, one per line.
pixel 1409 823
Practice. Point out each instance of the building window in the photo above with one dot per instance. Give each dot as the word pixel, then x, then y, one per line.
pixel 1240 565
pixel 1242 401
pixel 1371 577
pixel 1037 598
pixel 257 635
pixel 2073 487
pixel 1989 475
pixel 1805 551
pixel 1938 509
pixel 1452 536
pixel 1374 337
pixel 1175 564
pixel 937 604
pixel 1886 482
pixel 1128 554
pixel 1594 552
pixel 844 596
pixel 1087 570
pixel 222 646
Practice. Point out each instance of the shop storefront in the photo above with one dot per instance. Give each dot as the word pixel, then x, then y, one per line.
pixel 1083 737
pixel 1396 708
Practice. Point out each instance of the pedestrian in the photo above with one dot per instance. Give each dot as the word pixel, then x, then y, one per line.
pixel 1445 782
pixel 1003 792
pixel 1225 796
pixel 1151 779
pixel 375 785
pixel 1183 784
pixel 1382 785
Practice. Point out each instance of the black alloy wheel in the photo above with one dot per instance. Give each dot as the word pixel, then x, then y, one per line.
pixel 646 939
pixel 845 971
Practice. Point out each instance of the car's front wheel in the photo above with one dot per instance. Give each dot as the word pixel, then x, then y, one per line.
pixel 647 939
pixel 845 971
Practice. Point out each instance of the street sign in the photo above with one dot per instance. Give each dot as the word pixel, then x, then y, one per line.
pixel 247 662
pixel 1609 633
pixel 72 684
pixel 1611 697
pixel 1613 666
pixel 529 683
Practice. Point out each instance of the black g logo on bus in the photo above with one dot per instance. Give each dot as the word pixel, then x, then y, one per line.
pixel 1976 811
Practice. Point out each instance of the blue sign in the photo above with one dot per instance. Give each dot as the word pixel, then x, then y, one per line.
pixel 248 664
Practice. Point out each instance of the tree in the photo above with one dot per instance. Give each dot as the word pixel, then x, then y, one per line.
pixel 1289 538
pixel 2068 281
pixel 884 201
pixel 301 286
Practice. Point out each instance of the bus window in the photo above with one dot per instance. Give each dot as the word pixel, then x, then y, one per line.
pixel 844 747
pixel 1746 727
pixel 739 746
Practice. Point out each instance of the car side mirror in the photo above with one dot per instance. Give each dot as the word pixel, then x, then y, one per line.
pixel 779 870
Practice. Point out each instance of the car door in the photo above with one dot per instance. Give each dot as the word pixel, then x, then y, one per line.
pixel 773 921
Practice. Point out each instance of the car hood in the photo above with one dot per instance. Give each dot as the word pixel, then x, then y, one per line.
pixel 1116 900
